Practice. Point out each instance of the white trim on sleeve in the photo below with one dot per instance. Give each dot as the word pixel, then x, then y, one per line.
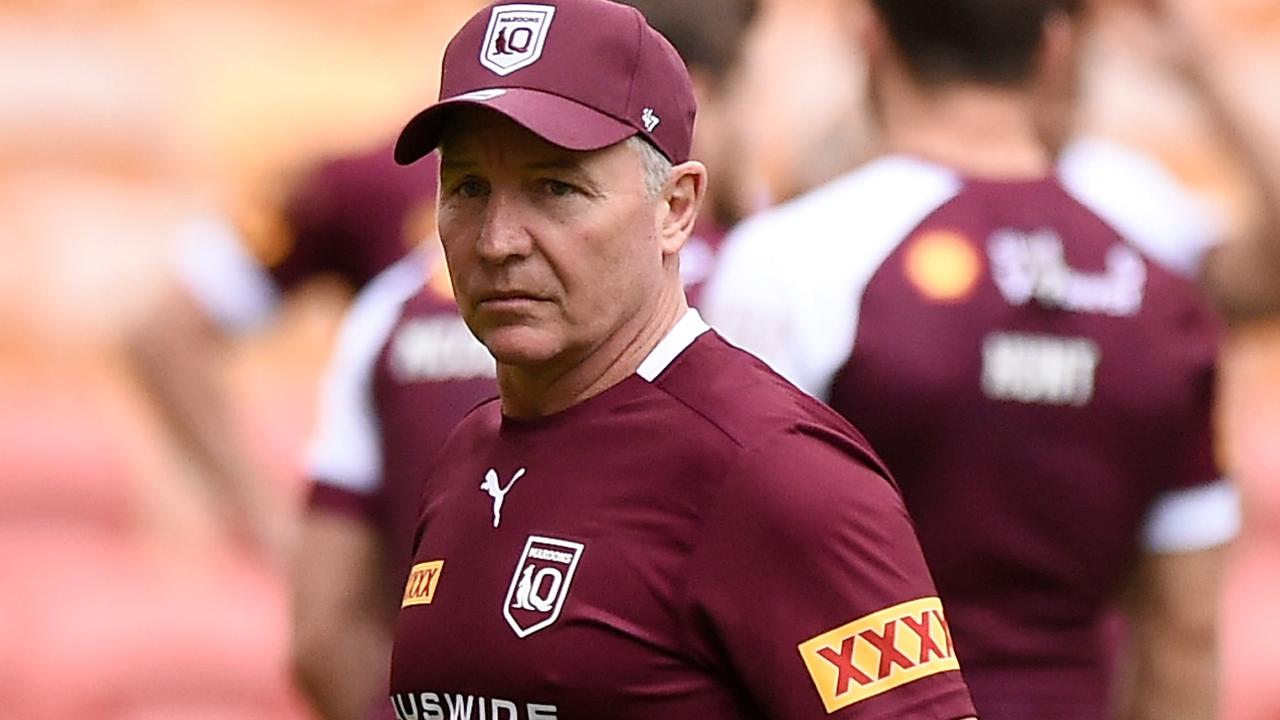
pixel 1142 201
pixel 232 288
pixel 345 451
pixel 789 282
pixel 1193 519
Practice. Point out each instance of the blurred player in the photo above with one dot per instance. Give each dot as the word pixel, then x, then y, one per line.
pixel 1040 388
pixel 710 36
pixel 406 371
pixel 1141 197
pixel 349 218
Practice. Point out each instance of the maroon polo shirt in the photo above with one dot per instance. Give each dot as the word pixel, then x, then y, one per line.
pixel 701 540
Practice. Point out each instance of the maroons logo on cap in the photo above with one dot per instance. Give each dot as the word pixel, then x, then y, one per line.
pixel 515 37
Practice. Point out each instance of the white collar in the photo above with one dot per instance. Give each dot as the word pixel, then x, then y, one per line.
pixel 682 334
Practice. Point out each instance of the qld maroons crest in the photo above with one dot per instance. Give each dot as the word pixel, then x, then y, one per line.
pixel 515 37
pixel 540 584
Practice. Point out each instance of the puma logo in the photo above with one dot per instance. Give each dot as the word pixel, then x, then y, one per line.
pixel 497 492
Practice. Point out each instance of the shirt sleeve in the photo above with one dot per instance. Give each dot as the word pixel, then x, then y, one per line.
pixel 810 588
pixel 345 456
pixel 224 279
pixel 1143 201
pixel 746 302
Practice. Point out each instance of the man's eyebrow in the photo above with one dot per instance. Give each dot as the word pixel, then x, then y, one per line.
pixel 458 163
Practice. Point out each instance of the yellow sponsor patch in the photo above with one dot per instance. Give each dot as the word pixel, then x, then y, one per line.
pixel 943 266
pixel 880 652
pixel 421 587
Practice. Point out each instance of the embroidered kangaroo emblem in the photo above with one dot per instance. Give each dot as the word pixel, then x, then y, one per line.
pixel 497 492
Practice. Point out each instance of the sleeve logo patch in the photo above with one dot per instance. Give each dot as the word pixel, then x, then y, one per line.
pixel 421 588
pixel 880 652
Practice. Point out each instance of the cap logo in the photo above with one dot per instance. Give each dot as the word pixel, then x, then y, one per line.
pixel 515 37
pixel 650 120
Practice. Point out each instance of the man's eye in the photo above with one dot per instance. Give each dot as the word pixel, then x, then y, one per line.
pixel 470 188
pixel 558 188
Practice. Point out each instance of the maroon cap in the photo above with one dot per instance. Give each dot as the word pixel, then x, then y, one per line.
pixel 581 74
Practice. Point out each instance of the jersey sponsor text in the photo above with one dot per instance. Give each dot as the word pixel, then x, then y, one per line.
pixel 421 587
pixel 879 652
pixel 456 706
pixel 1033 266
pixel 436 349
pixel 1039 369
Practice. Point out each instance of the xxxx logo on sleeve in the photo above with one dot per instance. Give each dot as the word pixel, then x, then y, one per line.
pixel 879 652
pixel 421 588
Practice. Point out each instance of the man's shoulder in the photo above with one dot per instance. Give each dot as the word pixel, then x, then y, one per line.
pixel 752 408
pixel 1142 200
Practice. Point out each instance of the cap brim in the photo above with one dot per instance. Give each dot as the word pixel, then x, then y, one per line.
pixel 559 121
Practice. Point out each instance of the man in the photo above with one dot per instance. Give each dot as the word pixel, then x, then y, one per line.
pixel 407 369
pixel 1042 391
pixel 648 523
pixel 348 217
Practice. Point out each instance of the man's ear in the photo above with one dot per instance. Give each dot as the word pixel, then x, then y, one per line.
pixel 682 199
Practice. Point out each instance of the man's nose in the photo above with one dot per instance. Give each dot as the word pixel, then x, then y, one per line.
pixel 504 235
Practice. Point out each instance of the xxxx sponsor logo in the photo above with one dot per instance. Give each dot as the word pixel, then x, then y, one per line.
pixel 421 588
pixel 880 652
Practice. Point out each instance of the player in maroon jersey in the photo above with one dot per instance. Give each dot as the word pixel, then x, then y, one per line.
pixel 348 217
pixel 406 370
pixel 1040 388
pixel 648 523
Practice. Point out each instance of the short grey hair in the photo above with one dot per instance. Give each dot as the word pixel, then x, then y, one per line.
pixel 657 168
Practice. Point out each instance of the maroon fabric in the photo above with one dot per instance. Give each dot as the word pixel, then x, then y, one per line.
pixel 330 497
pixel 602 73
pixel 1030 513
pixel 721 518
pixel 347 217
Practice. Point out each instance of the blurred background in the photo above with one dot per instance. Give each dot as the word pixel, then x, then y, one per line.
pixel 123 595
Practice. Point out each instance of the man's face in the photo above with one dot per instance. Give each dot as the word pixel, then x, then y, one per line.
pixel 550 250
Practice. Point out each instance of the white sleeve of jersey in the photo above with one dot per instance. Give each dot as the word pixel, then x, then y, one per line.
pixel 1196 518
pixel 345 451
pixel 788 284
pixel 233 288
pixel 1146 204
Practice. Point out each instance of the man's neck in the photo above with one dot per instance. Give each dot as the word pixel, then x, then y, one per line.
pixel 978 131
pixel 531 392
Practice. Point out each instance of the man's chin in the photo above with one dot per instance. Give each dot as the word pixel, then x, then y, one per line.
pixel 521 346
